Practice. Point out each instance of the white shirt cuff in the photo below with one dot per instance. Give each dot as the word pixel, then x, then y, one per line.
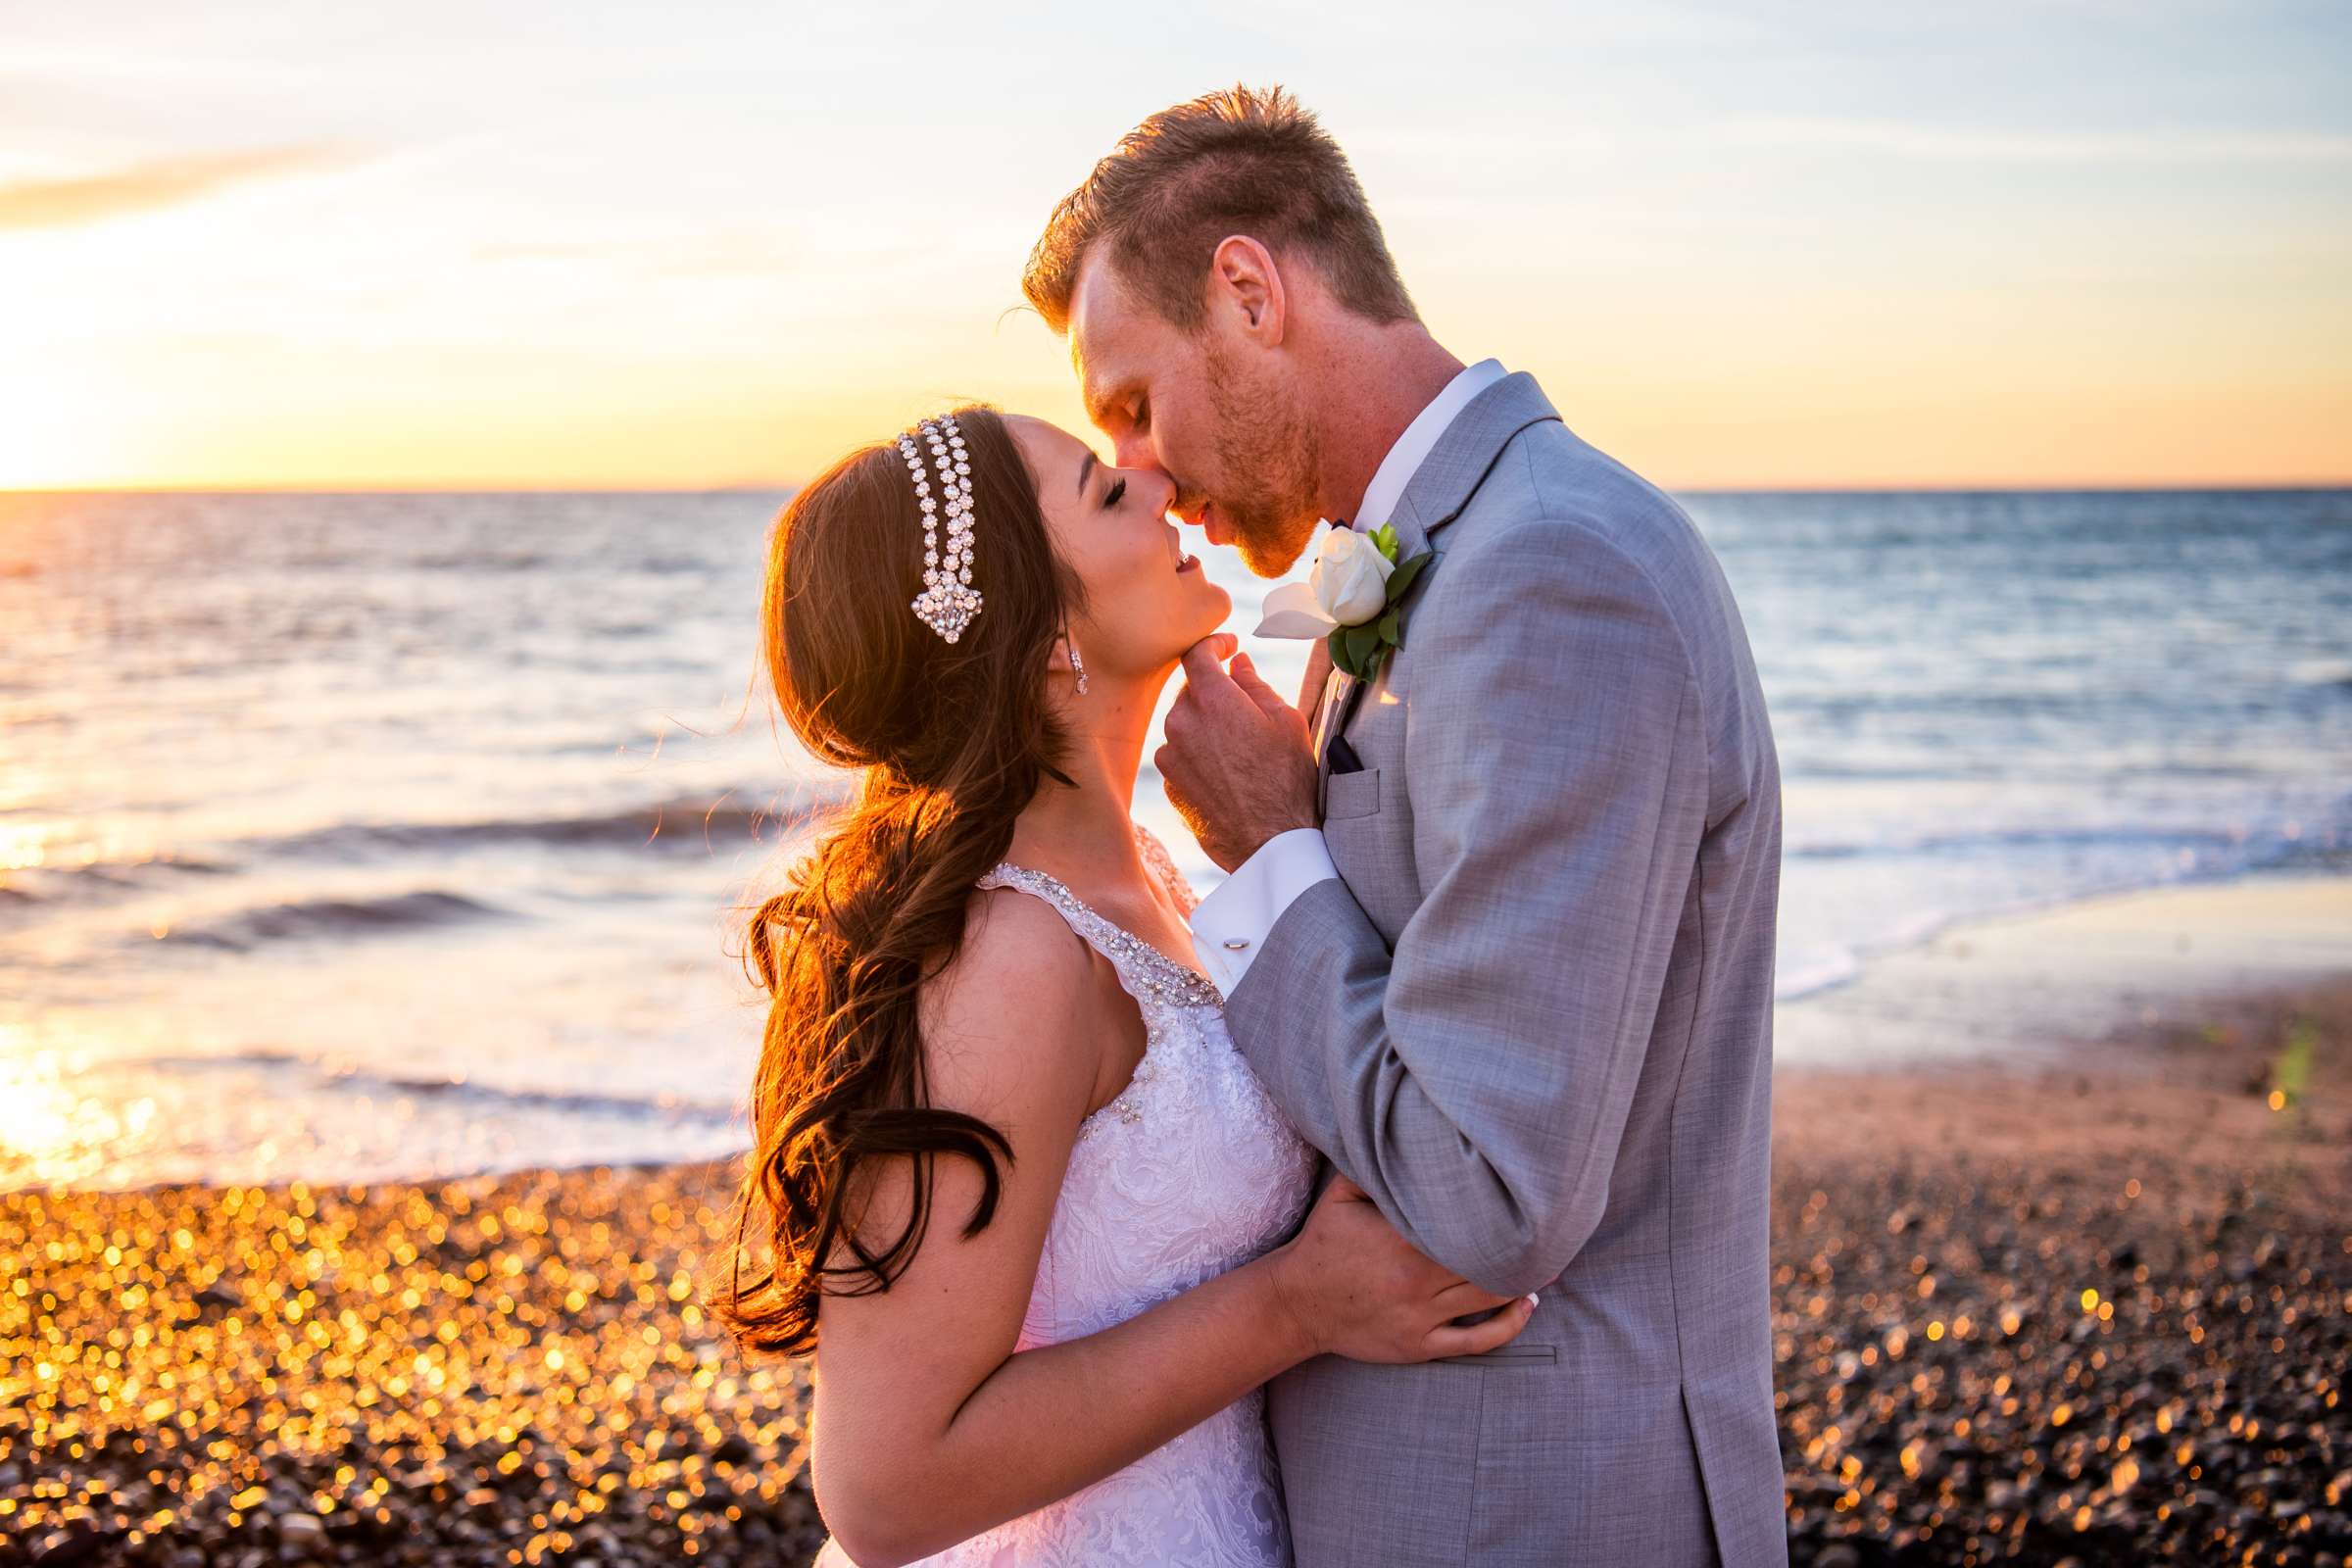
pixel 1233 922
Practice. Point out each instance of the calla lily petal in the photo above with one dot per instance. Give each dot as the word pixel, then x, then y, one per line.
pixel 1292 611
pixel 1305 625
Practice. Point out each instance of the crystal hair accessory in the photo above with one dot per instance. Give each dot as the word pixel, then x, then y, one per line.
pixel 949 601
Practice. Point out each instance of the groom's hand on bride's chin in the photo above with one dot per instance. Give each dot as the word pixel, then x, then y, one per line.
pixel 1237 764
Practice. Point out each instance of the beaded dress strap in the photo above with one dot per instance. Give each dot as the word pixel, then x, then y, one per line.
pixel 1147 970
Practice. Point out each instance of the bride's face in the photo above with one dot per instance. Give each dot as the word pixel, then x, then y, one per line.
pixel 1146 600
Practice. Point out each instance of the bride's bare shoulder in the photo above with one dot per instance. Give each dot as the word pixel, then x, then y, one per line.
pixel 1014 1015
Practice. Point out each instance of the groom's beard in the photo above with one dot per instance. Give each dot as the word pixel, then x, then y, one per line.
pixel 1268 458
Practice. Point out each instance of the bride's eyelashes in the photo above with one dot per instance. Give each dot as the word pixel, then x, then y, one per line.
pixel 1112 497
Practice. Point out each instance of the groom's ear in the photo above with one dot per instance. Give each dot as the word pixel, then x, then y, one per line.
pixel 1245 283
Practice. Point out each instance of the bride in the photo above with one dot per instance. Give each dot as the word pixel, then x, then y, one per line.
pixel 1024 1201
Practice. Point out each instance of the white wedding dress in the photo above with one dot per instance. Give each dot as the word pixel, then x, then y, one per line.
pixel 1190 1172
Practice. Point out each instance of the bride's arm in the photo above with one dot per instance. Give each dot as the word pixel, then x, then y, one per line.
pixel 928 1428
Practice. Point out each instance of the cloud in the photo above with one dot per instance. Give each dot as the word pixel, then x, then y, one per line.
pixel 1917 141
pixel 723 254
pixel 144 187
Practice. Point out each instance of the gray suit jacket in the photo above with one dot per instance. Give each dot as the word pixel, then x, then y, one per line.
pixel 1533 1021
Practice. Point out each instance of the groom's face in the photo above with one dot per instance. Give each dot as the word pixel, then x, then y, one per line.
pixel 1210 408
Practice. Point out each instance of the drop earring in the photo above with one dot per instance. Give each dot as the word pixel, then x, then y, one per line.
pixel 1078 667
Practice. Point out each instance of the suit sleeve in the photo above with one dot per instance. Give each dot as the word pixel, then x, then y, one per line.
pixel 1476 1081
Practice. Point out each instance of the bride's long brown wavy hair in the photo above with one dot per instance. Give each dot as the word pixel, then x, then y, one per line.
pixel 951 741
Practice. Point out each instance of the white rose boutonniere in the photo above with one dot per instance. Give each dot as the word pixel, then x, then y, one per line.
pixel 1352 599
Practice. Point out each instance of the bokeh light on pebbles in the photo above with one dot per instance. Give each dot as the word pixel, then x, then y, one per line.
pixel 509 1370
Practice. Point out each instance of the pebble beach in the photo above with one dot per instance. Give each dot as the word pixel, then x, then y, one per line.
pixel 2092 1311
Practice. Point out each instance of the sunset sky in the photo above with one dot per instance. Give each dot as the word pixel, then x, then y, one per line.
pixel 435 244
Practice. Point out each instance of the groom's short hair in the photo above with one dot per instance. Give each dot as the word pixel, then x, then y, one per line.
pixel 1243 161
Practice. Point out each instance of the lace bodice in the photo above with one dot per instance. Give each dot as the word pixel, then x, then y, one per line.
pixel 1189 1173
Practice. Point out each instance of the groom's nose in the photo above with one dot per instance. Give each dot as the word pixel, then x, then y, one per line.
pixel 1133 450
pixel 1166 486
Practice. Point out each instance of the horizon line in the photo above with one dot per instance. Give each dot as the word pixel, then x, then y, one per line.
pixel 1949 487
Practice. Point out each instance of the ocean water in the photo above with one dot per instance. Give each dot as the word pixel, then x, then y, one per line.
pixel 353 837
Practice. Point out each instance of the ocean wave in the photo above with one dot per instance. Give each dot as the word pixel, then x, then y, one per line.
pixel 2260 848
pixel 326 1073
pixel 680 824
pixel 480 560
pixel 323 918
pixel 1802 976
pixel 2335 672
pixel 51 883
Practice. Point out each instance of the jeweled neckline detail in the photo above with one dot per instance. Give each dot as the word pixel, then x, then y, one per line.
pixel 1167 980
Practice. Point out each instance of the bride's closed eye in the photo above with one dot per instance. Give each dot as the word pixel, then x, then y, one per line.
pixel 1110 497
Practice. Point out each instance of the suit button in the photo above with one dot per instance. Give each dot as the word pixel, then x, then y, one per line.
pixel 1236 943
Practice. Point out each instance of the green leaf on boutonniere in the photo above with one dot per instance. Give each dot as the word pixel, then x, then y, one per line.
pixel 1359 651
pixel 1337 642
pixel 1400 581
pixel 1343 655
pixel 1384 540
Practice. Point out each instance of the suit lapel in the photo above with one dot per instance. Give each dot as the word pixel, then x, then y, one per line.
pixel 1465 454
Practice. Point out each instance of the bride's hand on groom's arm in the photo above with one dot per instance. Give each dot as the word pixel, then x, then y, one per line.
pixel 1236 763
pixel 1350 1286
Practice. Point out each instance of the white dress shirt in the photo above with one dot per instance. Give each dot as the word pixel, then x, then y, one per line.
pixel 1232 923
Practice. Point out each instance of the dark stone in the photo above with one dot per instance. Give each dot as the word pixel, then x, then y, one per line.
pixel 80 1543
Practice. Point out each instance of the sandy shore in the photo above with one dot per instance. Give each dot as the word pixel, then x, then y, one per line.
pixel 2035 988
pixel 2090 1302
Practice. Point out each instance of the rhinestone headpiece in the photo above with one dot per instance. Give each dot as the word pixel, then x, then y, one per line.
pixel 949 601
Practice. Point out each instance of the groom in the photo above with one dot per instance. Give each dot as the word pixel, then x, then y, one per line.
pixel 1499 934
